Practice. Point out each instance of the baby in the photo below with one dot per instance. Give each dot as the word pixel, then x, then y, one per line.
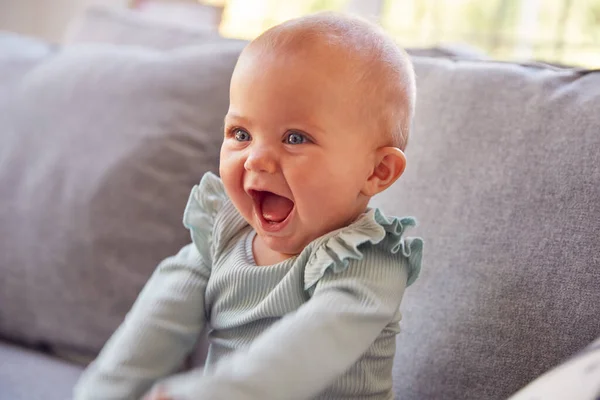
pixel 297 279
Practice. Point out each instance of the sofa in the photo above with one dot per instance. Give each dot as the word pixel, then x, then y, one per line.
pixel 100 144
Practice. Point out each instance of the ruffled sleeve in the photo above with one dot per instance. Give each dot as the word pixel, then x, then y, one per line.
pixel 206 200
pixel 335 251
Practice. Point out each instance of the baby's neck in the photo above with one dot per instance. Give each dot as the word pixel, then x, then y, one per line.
pixel 264 256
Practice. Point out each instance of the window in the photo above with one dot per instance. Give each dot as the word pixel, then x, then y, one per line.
pixel 557 31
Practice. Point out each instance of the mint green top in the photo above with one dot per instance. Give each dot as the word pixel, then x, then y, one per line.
pixel 320 325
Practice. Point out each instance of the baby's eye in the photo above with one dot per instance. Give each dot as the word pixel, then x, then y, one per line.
pixel 296 138
pixel 241 135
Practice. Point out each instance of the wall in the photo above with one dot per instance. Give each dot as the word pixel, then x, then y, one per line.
pixel 46 19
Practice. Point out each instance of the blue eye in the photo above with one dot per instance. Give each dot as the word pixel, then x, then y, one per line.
pixel 241 135
pixel 295 138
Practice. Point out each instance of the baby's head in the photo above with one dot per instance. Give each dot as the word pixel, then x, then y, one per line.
pixel 320 112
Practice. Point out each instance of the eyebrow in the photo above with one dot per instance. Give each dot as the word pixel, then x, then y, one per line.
pixel 235 117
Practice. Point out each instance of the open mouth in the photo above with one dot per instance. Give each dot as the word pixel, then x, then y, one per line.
pixel 273 208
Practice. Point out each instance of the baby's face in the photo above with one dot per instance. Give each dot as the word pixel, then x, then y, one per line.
pixel 296 153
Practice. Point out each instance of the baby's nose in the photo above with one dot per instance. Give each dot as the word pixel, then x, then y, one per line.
pixel 261 159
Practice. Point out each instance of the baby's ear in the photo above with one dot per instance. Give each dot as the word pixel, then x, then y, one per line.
pixel 389 165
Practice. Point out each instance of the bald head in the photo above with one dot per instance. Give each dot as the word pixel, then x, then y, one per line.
pixel 380 69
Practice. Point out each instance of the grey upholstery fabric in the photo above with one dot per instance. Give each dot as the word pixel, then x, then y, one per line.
pixel 448 51
pixel 504 175
pixel 26 375
pixel 100 147
pixel 16 49
pixel 18 55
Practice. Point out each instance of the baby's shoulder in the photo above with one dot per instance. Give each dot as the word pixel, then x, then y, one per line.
pixel 211 217
pixel 372 243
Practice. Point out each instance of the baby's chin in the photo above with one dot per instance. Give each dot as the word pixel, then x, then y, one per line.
pixel 294 243
pixel 283 245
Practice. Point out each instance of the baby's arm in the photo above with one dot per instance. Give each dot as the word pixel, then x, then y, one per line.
pixel 158 332
pixel 301 355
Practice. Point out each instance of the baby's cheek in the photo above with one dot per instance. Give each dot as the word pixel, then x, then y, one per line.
pixel 324 203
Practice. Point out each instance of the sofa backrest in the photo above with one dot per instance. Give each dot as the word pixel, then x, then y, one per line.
pixel 503 174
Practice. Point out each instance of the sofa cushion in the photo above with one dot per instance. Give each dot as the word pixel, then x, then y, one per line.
pixel 100 147
pixel 503 173
pixel 448 51
pixel 18 55
pixel 26 375
pixel 18 49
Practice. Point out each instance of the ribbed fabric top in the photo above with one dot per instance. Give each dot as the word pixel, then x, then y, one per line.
pixel 319 325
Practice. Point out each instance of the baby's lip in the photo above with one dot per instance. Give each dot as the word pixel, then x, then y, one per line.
pixel 255 193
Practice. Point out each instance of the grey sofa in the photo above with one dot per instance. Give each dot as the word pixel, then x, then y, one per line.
pixel 101 143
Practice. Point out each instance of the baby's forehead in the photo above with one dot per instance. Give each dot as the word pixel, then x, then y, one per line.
pixel 342 41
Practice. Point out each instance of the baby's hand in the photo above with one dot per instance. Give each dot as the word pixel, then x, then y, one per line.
pixel 157 394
